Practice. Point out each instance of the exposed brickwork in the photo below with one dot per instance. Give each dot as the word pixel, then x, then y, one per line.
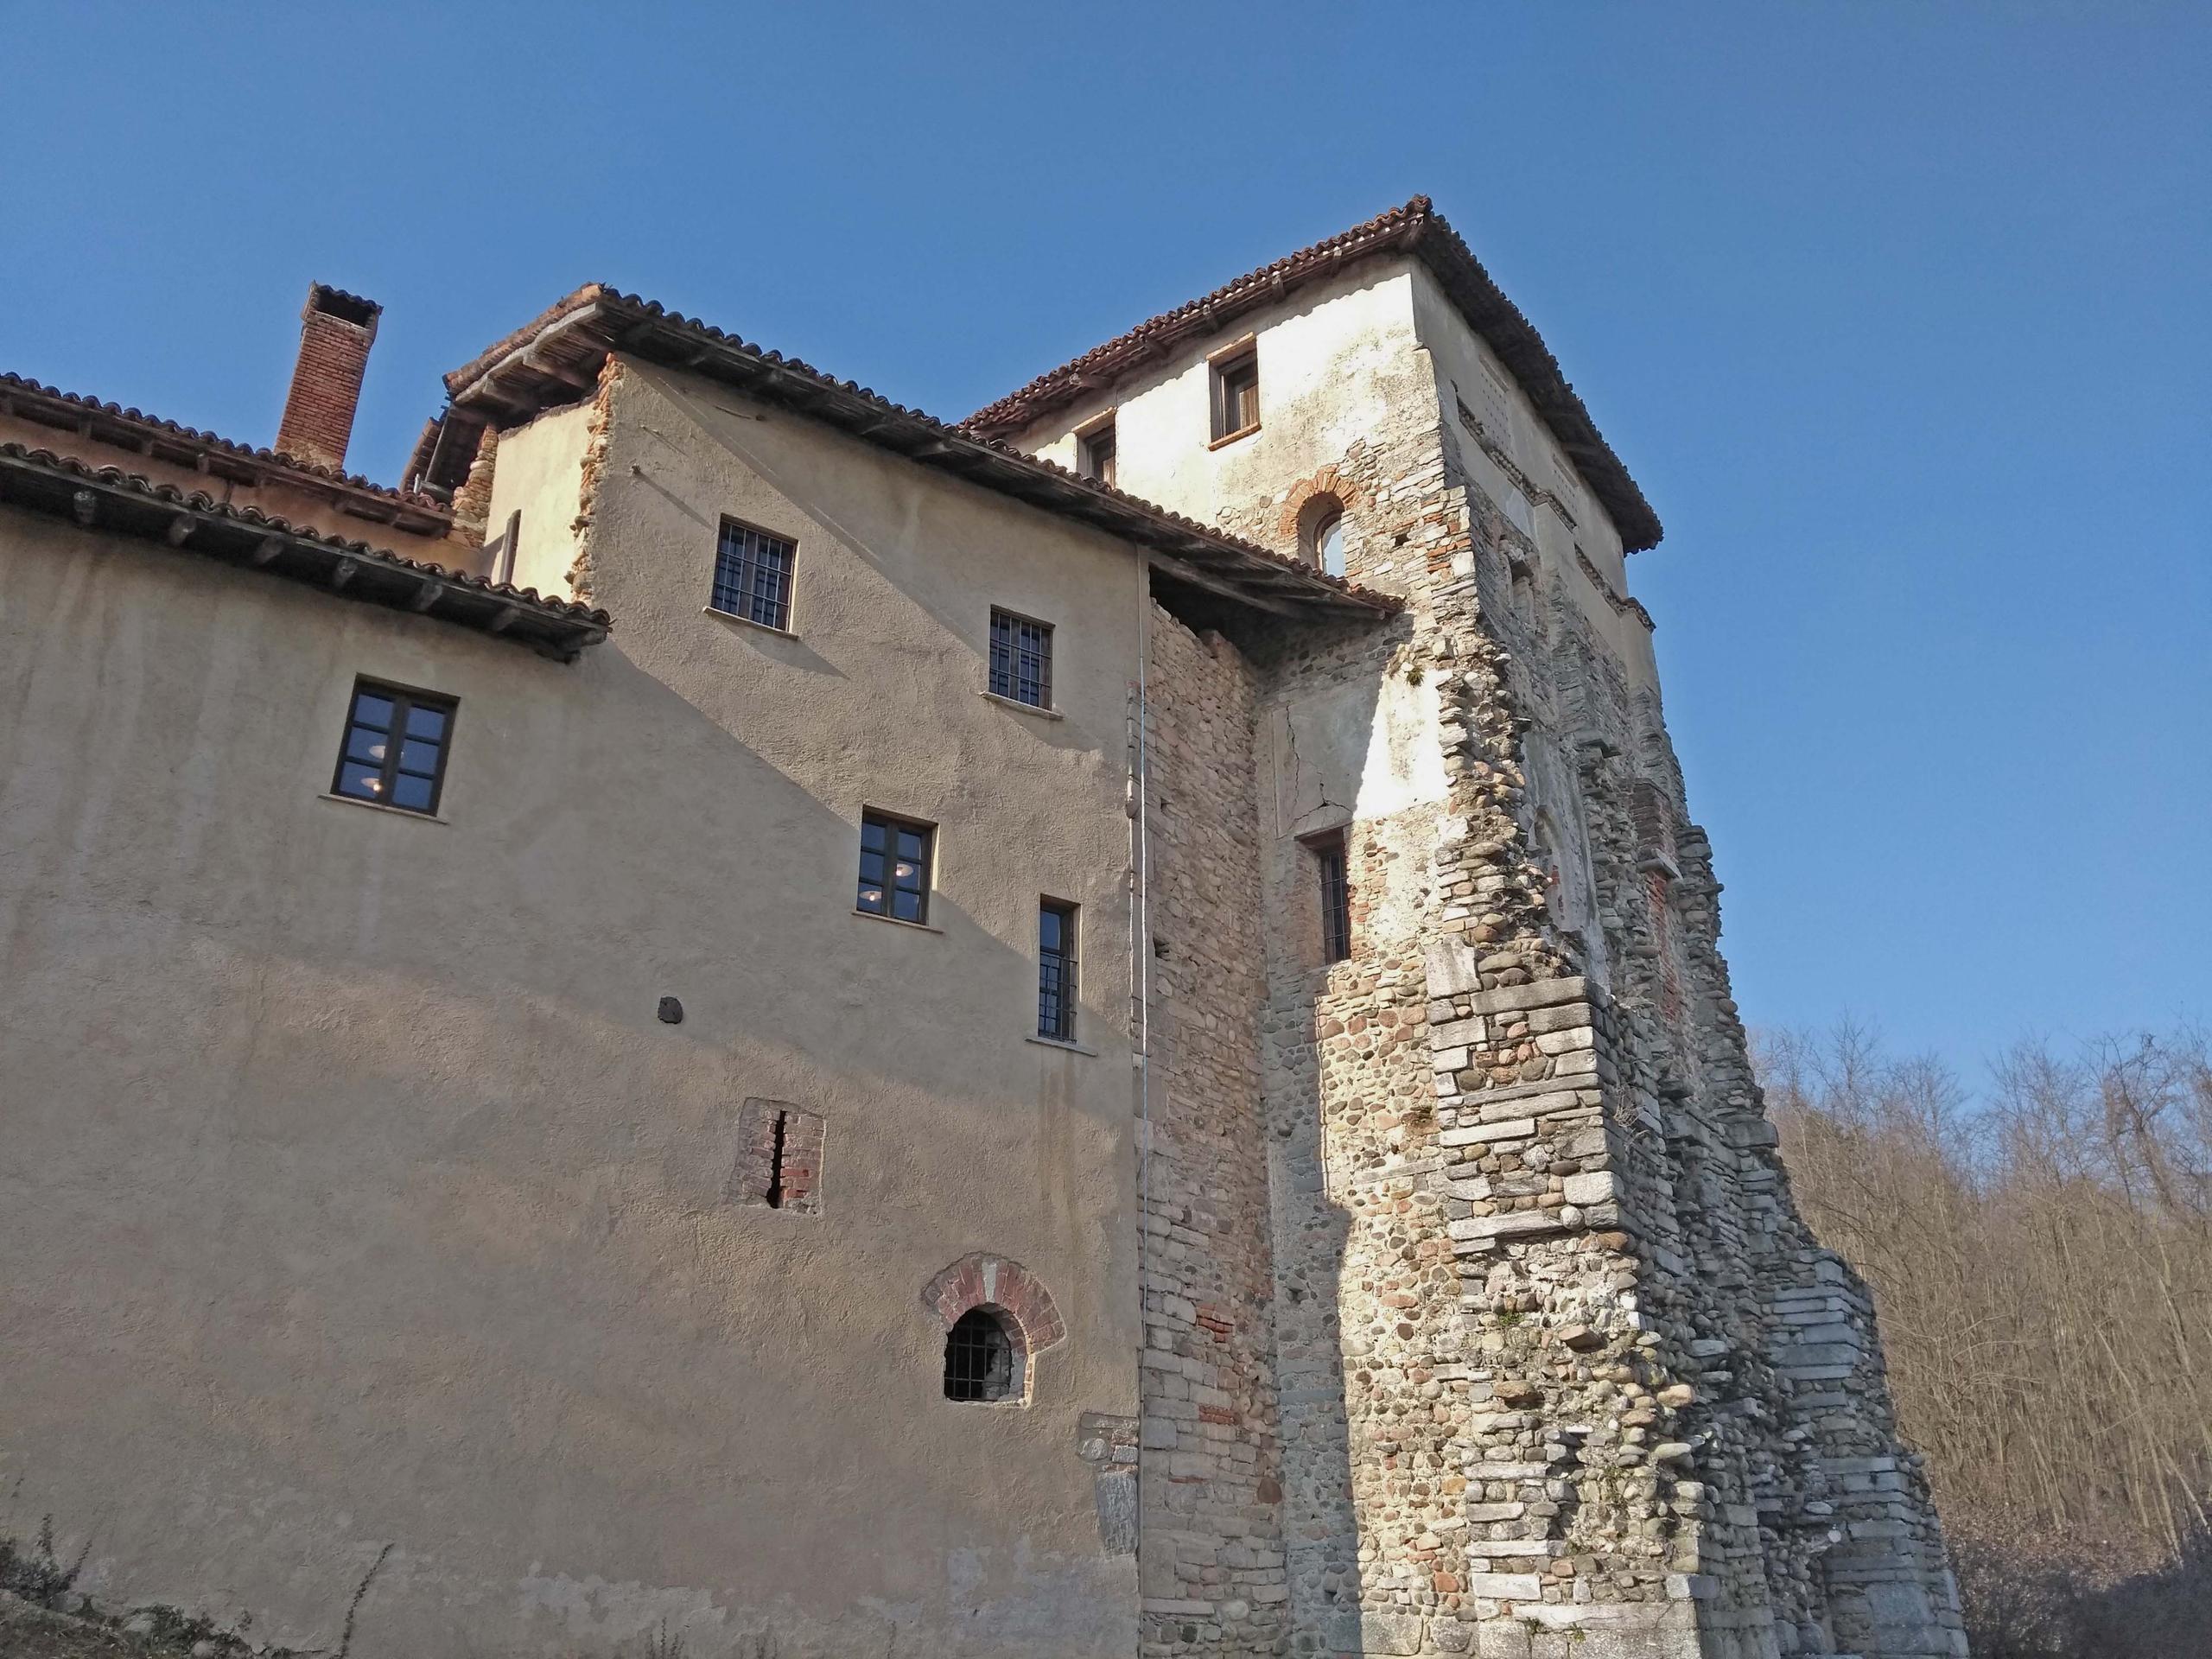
pixel 778 1161
pixel 981 1280
pixel 336 331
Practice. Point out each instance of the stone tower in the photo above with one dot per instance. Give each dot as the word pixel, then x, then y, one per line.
pixel 1479 1316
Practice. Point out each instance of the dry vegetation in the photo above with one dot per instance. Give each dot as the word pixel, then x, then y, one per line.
pixel 2042 1264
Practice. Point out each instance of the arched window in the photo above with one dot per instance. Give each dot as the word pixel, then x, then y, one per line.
pixel 1329 543
pixel 980 1358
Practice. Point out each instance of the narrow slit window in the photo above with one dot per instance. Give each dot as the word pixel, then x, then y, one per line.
pixel 779 1158
pixel 752 575
pixel 1021 660
pixel 895 868
pixel 979 1357
pixel 1235 394
pixel 394 752
pixel 1056 963
pixel 1094 452
pixel 1336 898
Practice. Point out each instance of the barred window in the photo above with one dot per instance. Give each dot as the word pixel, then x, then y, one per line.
pixel 395 749
pixel 1056 970
pixel 752 575
pixel 979 1357
pixel 1336 897
pixel 1021 660
pixel 894 867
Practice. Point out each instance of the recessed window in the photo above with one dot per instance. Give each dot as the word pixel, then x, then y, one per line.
pixel 1497 404
pixel 1336 896
pixel 1021 660
pixel 1056 970
pixel 752 575
pixel 1329 544
pixel 1236 393
pixel 1094 452
pixel 895 868
pixel 980 1360
pixel 395 748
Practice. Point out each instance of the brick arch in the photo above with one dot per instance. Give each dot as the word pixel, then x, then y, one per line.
pixel 981 1280
pixel 1346 492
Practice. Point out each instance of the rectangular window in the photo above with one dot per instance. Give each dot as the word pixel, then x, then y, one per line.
pixel 1094 452
pixel 1021 660
pixel 1336 897
pixel 895 868
pixel 752 575
pixel 1566 487
pixel 395 748
pixel 1237 393
pixel 1497 405
pixel 1056 970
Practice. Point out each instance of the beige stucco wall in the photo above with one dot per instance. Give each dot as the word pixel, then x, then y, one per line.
pixel 353 1193
pixel 540 475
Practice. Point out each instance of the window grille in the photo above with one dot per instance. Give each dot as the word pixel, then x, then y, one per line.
pixel 395 748
pixel 894 867
pixel 1235 394
pixel 752 575
pixel 1056 970
pixel 1021 660
pixel 1336 899
pixel 979 1362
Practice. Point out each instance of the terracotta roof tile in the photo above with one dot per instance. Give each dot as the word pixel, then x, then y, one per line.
pixel 1415 229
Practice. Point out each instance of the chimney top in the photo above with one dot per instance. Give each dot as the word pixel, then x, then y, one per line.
pixel 336 330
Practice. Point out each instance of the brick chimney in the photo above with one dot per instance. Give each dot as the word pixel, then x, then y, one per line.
pixel 336 331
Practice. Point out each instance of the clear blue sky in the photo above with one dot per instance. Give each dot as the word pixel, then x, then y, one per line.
pixel 1902 315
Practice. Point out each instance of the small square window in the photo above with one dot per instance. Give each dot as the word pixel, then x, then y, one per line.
pixel 895 868
pixel 1056 944
pixel 1021 660
pixel 394 751
pixel 1236 393
pixel 1094 452
pixel 752 575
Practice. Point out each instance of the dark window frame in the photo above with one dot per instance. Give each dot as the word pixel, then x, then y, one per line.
pixel 1010 656
pixel 1058 968
pixel 737 586
pixel 887 885
pixel 1332 880
pixel 1097 453
pixel 406 701
pixel 1234 379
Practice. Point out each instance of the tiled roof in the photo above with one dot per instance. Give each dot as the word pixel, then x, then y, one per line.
pixel 555 359
pixel 1417 230
pixel 113 499
pixel 49 406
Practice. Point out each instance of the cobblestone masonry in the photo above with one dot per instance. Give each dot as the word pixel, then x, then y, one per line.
pixel 1479 1319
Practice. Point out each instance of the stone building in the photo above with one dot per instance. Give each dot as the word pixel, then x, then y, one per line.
pixel 740 1014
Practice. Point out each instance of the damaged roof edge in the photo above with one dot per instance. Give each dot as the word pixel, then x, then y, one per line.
pixel 555 359
pixel 1417 230
pixel 108 497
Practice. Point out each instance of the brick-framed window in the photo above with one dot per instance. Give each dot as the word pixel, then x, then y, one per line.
pixel 895 867
pixel 779 1157
pixel 1056 969
pixel 1235 375
pixel 982 1357
pixel 1021 658
pixel 395 747
pixel 1095 451
pixel 1333 885
pixel 752 575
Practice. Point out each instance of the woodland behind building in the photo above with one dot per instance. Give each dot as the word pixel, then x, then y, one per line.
pixel 2042 1263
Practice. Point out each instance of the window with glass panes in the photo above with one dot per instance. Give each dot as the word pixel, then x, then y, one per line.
pixel 1021 660
pixel 1056 970
pixel 1235 394
pixel 894 867
pixel 395 749
pixel 752 575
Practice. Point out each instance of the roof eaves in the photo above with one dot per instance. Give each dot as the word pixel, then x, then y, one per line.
pixel 109 498
pixel 546 358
